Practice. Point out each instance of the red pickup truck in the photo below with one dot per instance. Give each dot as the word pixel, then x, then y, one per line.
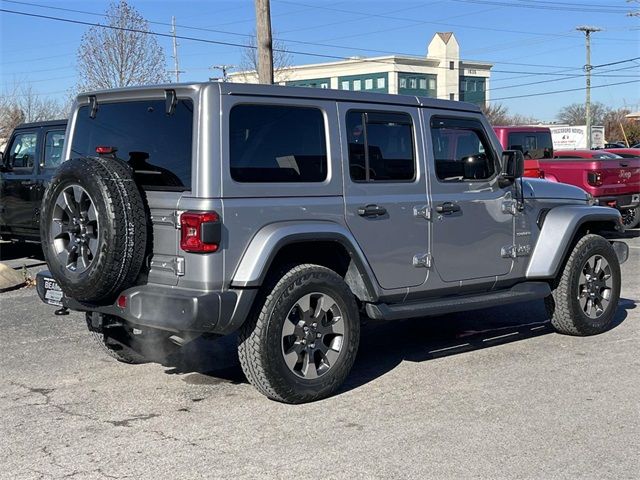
pixel 612 180
pixel 534 142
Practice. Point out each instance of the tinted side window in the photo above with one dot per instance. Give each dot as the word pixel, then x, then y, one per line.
pixel 53 144
pixel 270 143
pixel 461 150
pixel 380 146
pixel 156 145
pixel 533 145
pixel 22 153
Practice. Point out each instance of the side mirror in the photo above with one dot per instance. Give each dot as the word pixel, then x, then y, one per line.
pixel 512 164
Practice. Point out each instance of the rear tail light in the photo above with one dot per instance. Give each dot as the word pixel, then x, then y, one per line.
pixel 200 232
pixel 594 178
pixel 106 150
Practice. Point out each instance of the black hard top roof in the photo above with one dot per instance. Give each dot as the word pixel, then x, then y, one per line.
pixel 48 123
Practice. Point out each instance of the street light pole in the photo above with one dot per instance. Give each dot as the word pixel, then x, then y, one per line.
pixel 587 32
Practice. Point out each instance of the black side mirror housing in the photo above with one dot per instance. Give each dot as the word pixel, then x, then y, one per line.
pixel 512 164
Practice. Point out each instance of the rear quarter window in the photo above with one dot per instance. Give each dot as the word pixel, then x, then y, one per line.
pixel 157 146
pixel 275 143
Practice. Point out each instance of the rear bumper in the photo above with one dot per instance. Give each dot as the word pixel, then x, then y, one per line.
pixel 629 200
pixel 169 308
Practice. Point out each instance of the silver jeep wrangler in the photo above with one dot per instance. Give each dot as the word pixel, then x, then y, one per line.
pixel 288 214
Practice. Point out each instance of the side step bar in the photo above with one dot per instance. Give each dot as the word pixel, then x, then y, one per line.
pixel 518 293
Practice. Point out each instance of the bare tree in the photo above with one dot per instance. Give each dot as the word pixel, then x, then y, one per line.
pixel 120 56
pixel 498 114
pixel 575 114
pixel 282 60
pixel 21 103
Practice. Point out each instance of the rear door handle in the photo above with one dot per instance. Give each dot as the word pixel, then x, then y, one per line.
pixel 448 207
pixel 371 211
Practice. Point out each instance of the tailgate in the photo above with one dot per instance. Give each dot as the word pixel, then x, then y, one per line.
pixel 620 176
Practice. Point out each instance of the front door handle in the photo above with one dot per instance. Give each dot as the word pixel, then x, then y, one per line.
pixel 371 211
pixel 447 208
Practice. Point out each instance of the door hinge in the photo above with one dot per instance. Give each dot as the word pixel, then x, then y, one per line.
pixel 422 260
pixel 423 211
pixel 172 219
pixel 510 207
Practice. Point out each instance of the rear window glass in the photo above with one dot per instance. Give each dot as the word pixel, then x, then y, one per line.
pixel 270 143
pixel 156 145
pixel 533 145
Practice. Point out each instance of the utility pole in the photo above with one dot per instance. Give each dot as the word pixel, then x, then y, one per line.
pixel 225 71
pixel 587 68
pixel 176 69
pixel 264 41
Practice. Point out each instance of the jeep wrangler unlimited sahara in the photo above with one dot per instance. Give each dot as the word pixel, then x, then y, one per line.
pixel 286 214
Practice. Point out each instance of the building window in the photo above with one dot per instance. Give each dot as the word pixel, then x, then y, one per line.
pixel 423 83
pixel 345 85
pixel 324 85
pixel 368 84
pixel 452 66
pixel 481 86
pixel 403 83
pixel 357 84
pixel 432 84
pixel 380 82
pixel 269 143
pixel 463 86
pixel 452 96
pixel 413 83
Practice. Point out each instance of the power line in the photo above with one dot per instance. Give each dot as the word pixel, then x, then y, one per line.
pixel 547 6
pixel 563 91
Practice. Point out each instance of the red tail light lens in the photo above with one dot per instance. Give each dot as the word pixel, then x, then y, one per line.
pixel 594 178
pixel 106 150
pixel 200 232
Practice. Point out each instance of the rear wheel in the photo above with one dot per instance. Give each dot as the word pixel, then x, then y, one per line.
pixel 630 217
pixel 301 340
pixel 586 294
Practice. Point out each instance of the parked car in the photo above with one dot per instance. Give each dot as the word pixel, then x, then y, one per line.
pixel 534 142
pixel 615 145
pixel 33 153
pixel 625 152
pixel 286 214
pixel 613 181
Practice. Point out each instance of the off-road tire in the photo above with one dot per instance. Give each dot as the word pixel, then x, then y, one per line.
pixel 630 217
pixel 122 229
pixel 259 340
pixel 563 307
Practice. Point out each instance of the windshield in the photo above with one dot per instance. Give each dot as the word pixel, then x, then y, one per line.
pixel 156 145
pixel 533 145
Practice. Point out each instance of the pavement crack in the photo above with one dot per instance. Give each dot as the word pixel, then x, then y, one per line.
pixel 127 421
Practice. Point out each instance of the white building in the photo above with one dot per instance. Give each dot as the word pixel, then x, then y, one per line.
pixel 441 74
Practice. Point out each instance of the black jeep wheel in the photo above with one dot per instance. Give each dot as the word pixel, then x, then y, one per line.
pixel 93 229
pixel 300 342
pixel 630 217
pixel 586 294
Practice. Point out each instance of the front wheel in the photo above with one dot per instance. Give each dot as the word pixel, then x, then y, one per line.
pixel 586 294
pixel 301 340
pixel 630 217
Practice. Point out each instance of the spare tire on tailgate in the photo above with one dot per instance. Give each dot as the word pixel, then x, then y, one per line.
pixel 93 228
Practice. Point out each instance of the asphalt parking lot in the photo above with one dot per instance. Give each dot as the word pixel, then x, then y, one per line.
pixel 487 394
